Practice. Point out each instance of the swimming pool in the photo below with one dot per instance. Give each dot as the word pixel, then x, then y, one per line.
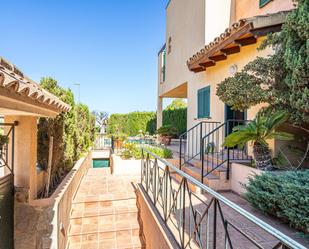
pixel 100 163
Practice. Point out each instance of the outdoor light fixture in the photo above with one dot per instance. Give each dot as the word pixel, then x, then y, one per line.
pixel 233 69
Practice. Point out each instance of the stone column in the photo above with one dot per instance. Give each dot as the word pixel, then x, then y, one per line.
pixel 25 153
pixel 159 112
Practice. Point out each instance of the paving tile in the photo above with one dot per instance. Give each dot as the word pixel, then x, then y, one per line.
pixel 105 213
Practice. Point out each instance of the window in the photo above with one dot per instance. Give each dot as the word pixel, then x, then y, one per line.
pixel 163 65
pixel 264 2
pixel 203 102
pixel 169 47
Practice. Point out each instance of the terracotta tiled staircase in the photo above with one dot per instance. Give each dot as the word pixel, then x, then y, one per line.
pixel 104 213
pixel 217 179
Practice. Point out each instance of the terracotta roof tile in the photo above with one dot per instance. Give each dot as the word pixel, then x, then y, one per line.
pixel 13 79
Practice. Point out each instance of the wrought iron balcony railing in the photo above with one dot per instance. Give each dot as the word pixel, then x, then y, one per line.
pixel 190 141
pixel 7 146
pixel 207 220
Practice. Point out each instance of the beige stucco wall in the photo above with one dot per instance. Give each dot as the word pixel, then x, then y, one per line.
pixel 154 231
pixel 240 175
pixel 217 18
pixel 213 76
pixel 25 153
pixel 249 8
pixel 185 24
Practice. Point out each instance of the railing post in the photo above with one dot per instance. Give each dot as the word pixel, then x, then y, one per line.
pixel 180 154
pixel 215 225
pixel 202 159
pixel 183 212
pixel 228 164
pixel 165 192
pixel 142 166
pixel 201 137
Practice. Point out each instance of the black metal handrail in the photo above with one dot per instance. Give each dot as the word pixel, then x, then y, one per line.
pixel 5 161
pixel 214 155
pixel 203 221
pixel 189 146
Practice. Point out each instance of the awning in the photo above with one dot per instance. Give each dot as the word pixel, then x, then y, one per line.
pixel 15 85
pixel 242 33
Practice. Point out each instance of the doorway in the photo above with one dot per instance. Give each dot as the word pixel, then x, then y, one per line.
pixel 234 117
pixel 7 212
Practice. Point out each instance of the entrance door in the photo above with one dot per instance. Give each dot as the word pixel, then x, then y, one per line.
pixel 7 212
pixel 235 117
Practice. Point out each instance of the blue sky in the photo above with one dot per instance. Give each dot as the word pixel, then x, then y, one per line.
pixel 108 47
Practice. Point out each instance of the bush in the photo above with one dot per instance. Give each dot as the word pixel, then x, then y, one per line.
pixel 284 195
pixel 176 118
pixel 73 133
pixel 167 130
pixel 133 122
pixel 131 150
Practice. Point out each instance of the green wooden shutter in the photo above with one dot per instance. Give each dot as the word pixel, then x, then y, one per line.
pixel 164 63
pixel 264 2
pixel 203 98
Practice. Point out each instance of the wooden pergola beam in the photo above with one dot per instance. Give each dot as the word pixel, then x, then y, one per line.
pixel 232 50
pixel 208 64
pixel 245 41
pixel 219 57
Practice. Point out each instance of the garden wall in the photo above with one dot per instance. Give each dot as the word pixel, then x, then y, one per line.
pixel 155 232
pixel 126 167
pixel 44 223
pixel 239 176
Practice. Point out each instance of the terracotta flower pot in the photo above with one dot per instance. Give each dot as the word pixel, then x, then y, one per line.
pixel 118 143
pixel 166 140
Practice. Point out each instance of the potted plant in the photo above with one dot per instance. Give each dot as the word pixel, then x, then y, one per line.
pixel 166 132
pixel 3 141
pixel 258 131
pixel 118 139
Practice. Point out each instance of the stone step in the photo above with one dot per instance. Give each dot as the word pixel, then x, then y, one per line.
pixel 126 238
pixel 210 180
pixel 220 171
pixel 104 222
pixel 95 208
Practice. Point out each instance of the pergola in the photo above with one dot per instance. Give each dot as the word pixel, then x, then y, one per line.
pixel 242 33
pixel 22 102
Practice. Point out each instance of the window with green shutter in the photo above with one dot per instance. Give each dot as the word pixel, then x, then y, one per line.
pixel 264 2
pixel 203 102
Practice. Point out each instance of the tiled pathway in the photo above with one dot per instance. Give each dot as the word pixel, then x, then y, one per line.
pixel 104 213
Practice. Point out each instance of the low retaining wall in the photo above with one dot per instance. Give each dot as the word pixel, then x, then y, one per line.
pixel 155 233
pixel 240 175
pixel 130 167
pixel 44 223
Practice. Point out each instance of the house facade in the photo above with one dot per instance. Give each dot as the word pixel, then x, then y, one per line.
pixel 208 41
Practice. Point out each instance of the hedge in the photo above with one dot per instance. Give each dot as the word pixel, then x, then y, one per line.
pixel 284 194
pixel 73 133
pixel 176 118
pixel 131 150
pixel 133 122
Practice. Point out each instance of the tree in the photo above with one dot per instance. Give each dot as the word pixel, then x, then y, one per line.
pixel 258 131
pixel 100 118
pixel 176 104
pixel 281 79
pixel 73 133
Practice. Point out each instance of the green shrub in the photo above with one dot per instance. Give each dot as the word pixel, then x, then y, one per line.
pixel 167 130
pixel 132 123
pixel 131 150
pixel 73 132
pixel 176 118
pixel 284 194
